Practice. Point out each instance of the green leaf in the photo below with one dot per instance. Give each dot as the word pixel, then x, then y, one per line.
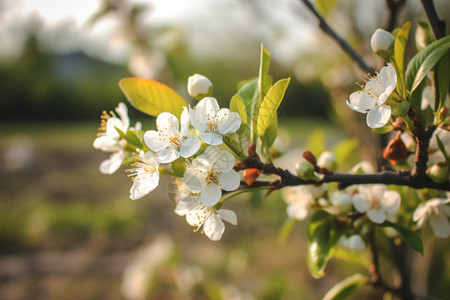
pixel 442 148
pixel 270 136
pixel 237 105
pixel 248 92
pixel 319 248
pixel 424 61
pixel 270 104
pixel 411 238
pixel 316 219
pixel 399 54
pixel 152 97
pixel 424 35
pixel 346 287
pixel 179 166
pixel 324 7
pixel 132 138
pixel 383 130
pixel 231 140
pixel 441 80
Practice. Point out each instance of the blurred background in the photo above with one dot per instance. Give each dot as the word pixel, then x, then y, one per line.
pixel 69 232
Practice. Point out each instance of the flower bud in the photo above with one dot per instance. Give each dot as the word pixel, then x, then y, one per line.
pixel 341 200
pixel 381 40
pixel 353 243
pixel 199 87
pixel 439 172
pixel 327 160
pixel 306 171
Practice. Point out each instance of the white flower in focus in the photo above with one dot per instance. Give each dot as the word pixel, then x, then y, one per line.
pixel 212 122
pixel 211 172
pixel 352 243
pixel 381 40
pixel 199 215
pixel 199 86
pixel 371 98
pixel 437 212
pixel 301 198
pixel 171 141
pixel 145 175
pixel 376 201
pixel 109 139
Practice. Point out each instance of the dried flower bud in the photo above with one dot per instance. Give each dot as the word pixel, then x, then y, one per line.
pixel 396 151
pixel 199 87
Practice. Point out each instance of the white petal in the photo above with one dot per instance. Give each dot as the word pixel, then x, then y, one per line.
pixel 356 243
pixel 122 111
pixel 167 155
pixel 107 143
pixel 388 79
pixel 192 182
pixel 214 228
pixel 222 160
pixel 378 116
pixel 111 125
pixel 153 141
pixel 390 201
pixel 361 102
pixel 377 215
pixel 299 212
pixel 141 188
pixel 190 146
pixel 361 203
pixel 184 122
pixel 196 217
pixel 440 225
pixel 230 181
pixel 228 121
pixel 209 106
pixel 113 163
pixel 211 138
pixel 167 120
pixel 420 215
pixel 198 119
pixel 186 205
pixel 201 166
pixel 211 195
pixel 228 215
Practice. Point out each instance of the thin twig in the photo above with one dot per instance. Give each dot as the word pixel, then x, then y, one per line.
pixel 393 8
pixel 341 42
pixel 437 25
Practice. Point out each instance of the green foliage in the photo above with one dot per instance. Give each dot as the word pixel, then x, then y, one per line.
pixel 424 35
pixel 441 82
pixel 133 138
pixel 322 236
pixel 152 97
pixel 424 61
pixel 345 150
pixel 325 7
pixel 410 237
pixel 316 142
pixel 346 287
pixel 179 166
pixel 399 55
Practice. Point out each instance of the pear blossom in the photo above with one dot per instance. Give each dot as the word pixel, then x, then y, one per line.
pixel 171 140
pixel 352 243
pixel 437 212
pixel 371 98
pixel 145 175
pixel 301 199
pixel 381 40
pixel 109 140
pixel 376 201
pixel 199 215
pixel 212 121
pixel 211 172
pixel 199 86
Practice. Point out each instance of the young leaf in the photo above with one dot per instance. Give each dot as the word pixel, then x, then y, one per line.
pixel 410 237
pixel 422 63
pixel 152 97
pixel 342 290
pixel 319 248
pixel 270 104
pixel 269 137
pixel 441 81
pixel 424 35
pixel 179 166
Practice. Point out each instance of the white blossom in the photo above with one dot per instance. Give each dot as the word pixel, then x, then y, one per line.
pixel 212 122
pixel 371 98
pixel 342 200
pixel 198 215
pixel 327 160
pixel 145 175
pixel 376 201
pixel 301 199
pixel 211 172
pixel 352 243
pixel 199 86
pixel 109 139
pixel 171 141
pixel 437 212
pixel 381 40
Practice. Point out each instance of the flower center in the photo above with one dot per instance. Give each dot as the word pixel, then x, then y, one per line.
pixel 143 167
pixel 373 86
pixel 375 203
pixel 212 177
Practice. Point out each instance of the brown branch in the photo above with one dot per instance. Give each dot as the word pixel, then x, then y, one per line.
pixel 341 42
pixel 437 25
pixel 393 8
